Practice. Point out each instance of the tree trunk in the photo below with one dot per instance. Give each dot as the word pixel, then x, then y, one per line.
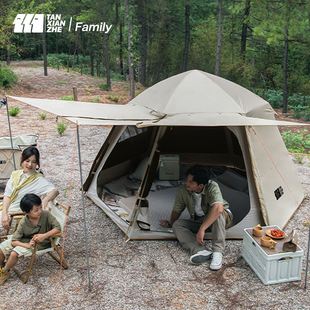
pixel 106 59
pixel 219 37
pixel 142 19
pixel 98 65
pixel 285 69
pixel 186 37
pixel 130 64
pixel 247 7
pixel 8 54
pixel 121 54
pixel 119 21
pixel 92 69
pixel 44 48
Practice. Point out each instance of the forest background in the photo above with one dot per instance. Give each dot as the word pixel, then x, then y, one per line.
pixel 262 45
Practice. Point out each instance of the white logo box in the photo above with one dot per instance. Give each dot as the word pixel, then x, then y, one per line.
pixel 271 266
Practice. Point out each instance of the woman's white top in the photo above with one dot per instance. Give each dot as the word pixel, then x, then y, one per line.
pixel 40 186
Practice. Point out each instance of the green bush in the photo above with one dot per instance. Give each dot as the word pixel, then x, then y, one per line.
pixel 104 86
pixel 14 111
pixel 61 128
pixel 42 116
pixel 113 98
pixel 7 77
pixel 274 97
pixel 297 142
pixel 95 99
pixel 69 98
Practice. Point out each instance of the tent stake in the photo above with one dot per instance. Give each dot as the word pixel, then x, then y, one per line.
pixel 83 206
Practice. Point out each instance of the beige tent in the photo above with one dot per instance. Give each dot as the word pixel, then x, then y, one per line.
pixel 190 118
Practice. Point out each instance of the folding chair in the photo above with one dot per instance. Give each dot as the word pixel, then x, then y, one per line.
pixel 56 251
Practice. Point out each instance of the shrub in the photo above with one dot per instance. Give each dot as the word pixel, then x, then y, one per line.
pixel 113 98
pixel 42 116
pixel 69 97
pixel 7 77
pixel 61 128
pixel 14 111
pixel 104 87
pixel 298 158
pixel 95 99
pixel 297 142
pixel 274 97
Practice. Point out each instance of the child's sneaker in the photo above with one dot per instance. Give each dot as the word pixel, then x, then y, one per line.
pixel 4 275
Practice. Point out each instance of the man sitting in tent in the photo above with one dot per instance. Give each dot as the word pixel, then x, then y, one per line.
pixel 203 199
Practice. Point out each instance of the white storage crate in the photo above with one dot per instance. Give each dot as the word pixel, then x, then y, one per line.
pixel 271 265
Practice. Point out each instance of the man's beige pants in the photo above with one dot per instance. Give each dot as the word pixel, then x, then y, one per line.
pixel 186 230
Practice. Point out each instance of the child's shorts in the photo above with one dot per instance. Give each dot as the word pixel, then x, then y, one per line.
pixel 6 248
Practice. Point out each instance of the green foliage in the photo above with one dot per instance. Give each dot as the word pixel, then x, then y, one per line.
pixel 273 96
pixel 113 98
pixel 104 86
pixel 261 65
pixel 95 99
pixel 299 158
pixel 68 97
pixel 14 111
pixel 42 116
pixel 297 142
pixel 7 77
pixel 61 128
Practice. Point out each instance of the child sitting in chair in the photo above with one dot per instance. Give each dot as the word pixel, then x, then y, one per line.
pixel 36 227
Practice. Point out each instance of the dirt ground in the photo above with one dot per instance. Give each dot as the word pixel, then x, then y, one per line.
pixel 125 275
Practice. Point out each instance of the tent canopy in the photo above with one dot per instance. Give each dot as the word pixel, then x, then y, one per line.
pixel 184 99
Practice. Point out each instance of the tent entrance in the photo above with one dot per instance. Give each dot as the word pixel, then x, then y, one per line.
pixel 216 148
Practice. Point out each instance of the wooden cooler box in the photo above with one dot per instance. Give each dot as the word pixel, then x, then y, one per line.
pixel 271 265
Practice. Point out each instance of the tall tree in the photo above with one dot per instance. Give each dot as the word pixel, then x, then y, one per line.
pixel 142 20
pixel 245 26
pixel 130 62
pixel 218 53
pixel 119 21
pixel 283 25
pixel 186 36
pixel 44 51
pixel 106 59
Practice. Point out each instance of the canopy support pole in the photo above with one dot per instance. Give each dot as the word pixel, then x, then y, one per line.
pixel 4 101
pixel 86 239
pixel 307 259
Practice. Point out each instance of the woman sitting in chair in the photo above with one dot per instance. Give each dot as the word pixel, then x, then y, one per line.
pixel 24 181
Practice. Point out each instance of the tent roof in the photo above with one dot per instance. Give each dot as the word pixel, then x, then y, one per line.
pixel 192 98
pixel 214 119
pixel 196 91
pixel 90 111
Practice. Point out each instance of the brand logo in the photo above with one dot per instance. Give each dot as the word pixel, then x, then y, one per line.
pixel 39 23
pixel 29 23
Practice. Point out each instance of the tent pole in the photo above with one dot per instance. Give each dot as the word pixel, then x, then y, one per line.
pixel 307 259
pixel 143 185
pixel 9 122
pixel 86 240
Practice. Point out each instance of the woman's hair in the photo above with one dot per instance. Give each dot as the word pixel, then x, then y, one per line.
pixel 29 151
pixel 28 201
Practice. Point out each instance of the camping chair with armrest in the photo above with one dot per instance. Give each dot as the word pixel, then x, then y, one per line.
pixel 56 251
pixel 14 221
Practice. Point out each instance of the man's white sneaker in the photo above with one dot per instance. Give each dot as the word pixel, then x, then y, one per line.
pixel 200 257
pixel 217 259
